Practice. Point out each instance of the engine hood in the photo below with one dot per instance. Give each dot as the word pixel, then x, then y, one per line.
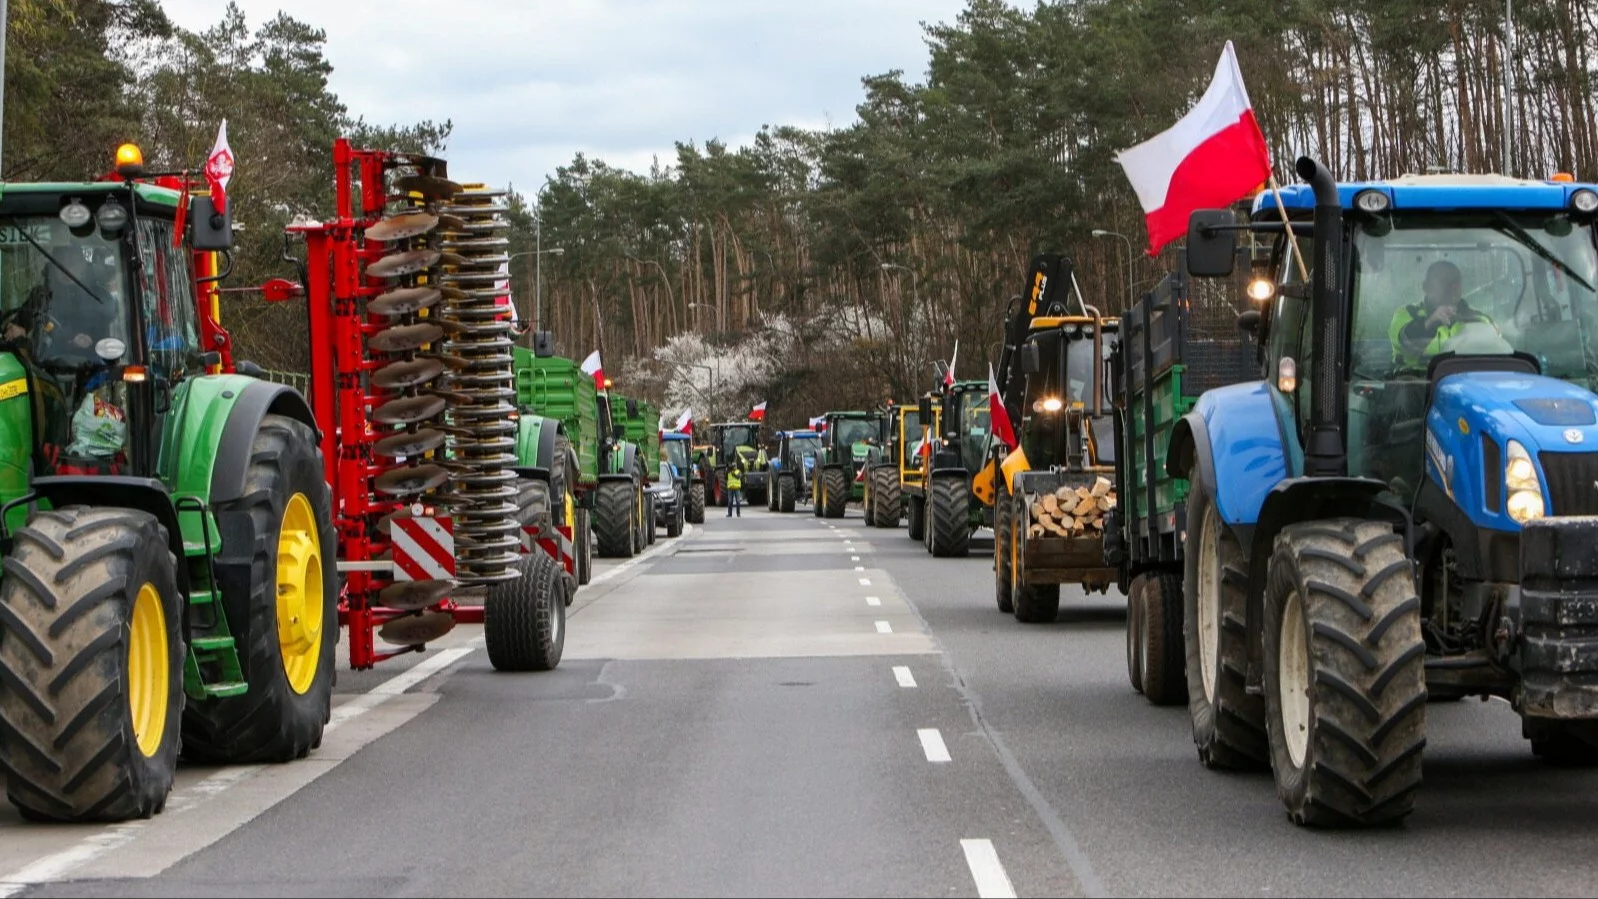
pixel 1555 415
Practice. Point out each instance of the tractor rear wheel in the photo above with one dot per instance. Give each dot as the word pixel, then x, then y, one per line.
pixel 696 503
pixel 951 517
pixel 583 547
pixel 785 493
pixel 91 667
pixel 613 520
pixel 279 589
pixel 1345 673
pixel 885 496
pixel 835 490
pixel 1228 722
pixel 1162 662
pixel 1003 546
pixel 916 518
pixel 524 620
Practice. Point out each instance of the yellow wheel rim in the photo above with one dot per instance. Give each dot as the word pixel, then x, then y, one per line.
pixel 149 670
pixel 299 593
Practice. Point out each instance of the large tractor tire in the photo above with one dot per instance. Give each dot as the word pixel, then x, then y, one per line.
pixel 1228 722
pixel 916 518
pixel 1134 632
pixel 91 666
pixel 1004 549
pixel 951 517
pixel 583 547
pixel 534 504
pixel 1345 673
pixel 1033 603
pixel 279 587
pixel 886 504
pixel 696 503
pixel 771 494
pixel 524 620
pixel 786 490
pixel 1161 655
pixel 834 491
pixel 613 520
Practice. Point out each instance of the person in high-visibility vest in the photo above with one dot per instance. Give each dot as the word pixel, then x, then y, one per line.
pixel 735 490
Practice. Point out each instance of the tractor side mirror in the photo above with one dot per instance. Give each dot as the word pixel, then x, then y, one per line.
pixel 543 344
pixel 1248 321
pixel 1030 362
pixel 1211 244
pixel 925 409
pixel 209 229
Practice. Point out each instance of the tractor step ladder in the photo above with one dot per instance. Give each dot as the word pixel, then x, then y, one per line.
pixel 214 653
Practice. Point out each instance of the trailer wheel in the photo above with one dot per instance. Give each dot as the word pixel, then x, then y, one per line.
pixel 524 620
pixel 1228 723
pixel 1004 543
pixel 613 520
pixel 916 518
pixel 1162 674
pixel 280 592
pixel 1567 744
pixel 1345 677
pixel 696 503
pixel 835 491
pixel 91 666
pixel 1134 632
pixel 583 537
pixel 951 517
pixel 885 496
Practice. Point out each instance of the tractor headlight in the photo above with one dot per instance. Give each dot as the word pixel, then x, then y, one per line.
pixel 1372 201
pixel 1525 491
pixel 1048 404
pixel 1584 201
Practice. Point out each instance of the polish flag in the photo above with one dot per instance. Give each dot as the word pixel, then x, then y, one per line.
pixel 758 413
pixel 591 366
pixel 997 415
pixel 819 423
pixel 948 378
pixel 219 169
pixel 685 422
pixel 1213 157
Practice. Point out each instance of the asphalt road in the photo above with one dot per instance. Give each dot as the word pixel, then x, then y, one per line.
pixel 780 705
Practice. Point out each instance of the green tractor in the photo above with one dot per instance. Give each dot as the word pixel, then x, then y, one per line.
pixel 169 575
pixel 610 477
pixel 737 440
pixel 642 423
pixel 943 510
pixel 850 441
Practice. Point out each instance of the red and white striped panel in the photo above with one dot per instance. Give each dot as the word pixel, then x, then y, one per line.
pixel 424 549
pixel 560 548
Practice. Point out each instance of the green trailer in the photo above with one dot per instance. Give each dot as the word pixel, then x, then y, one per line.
pixel 168 541
pixel 642 420
pixel 610 477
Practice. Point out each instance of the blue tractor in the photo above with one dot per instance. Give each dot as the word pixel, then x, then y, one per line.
pixel 1400 513
pixel 793 467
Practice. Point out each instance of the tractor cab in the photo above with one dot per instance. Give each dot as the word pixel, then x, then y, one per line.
pixel 1066 394
pixel 99 321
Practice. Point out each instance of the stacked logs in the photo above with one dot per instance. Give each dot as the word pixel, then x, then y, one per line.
pixel 1072 511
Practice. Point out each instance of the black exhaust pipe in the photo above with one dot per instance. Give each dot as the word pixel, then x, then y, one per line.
pixel 1325 452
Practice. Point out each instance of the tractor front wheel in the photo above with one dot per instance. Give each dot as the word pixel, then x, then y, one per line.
pixel 613 520
pixel 835 492
pixel 696 503
pixel 951 517
pixel 785 493
pixel 279 588
pixel 916 518
pixel 885 496
pixel 91 667
pixel 524 620
pixel 1003 545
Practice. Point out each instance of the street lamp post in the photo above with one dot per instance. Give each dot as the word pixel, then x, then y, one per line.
pixel 1130 297
pixel 915 280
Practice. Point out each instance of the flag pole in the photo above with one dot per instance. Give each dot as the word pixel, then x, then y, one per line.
pixel 1292 238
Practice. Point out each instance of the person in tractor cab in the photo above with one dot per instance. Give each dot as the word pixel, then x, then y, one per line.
pixel 1422 330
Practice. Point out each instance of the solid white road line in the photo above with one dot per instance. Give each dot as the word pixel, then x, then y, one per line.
pixel 992 882
pixel 873 601
pixel 57 865
pixel 932 744
pixel 884 627
pixel 903 675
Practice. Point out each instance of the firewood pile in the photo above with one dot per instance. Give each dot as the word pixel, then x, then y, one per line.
pixel 1072 511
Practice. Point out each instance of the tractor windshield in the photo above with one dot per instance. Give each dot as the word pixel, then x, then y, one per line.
pixel 799 447
pixel 677 453
pixel 1484 282
pixel 973 417
pixel 734 437
pixel 846 432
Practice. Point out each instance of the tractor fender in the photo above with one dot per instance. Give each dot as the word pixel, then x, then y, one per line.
pixel 221 417
pixel 628 469
pixel 1236 438
pixel 144 494
pixel 951 471
pixel 535 446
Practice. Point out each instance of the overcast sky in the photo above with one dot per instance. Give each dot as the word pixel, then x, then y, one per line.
pixel 530 83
